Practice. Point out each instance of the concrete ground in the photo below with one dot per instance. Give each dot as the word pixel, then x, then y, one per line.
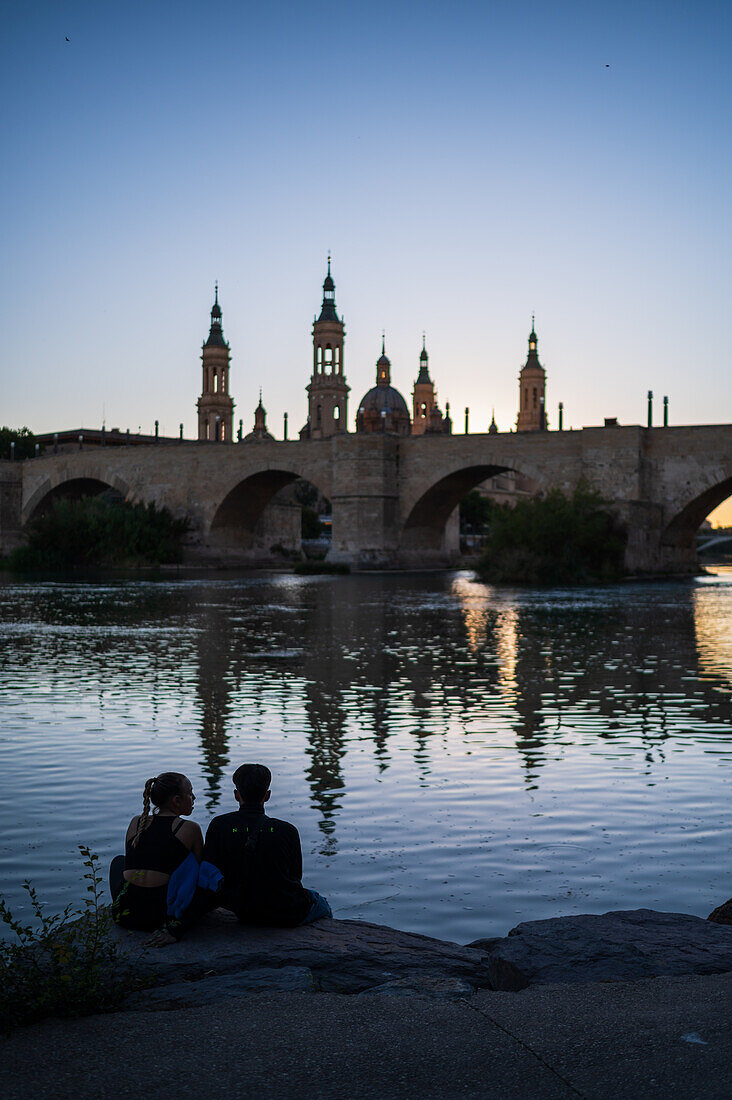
pixel 661 1037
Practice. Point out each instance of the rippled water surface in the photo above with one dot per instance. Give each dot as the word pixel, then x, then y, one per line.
pixel 457 758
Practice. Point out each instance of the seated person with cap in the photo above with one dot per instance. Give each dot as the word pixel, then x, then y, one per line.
pixel 255 861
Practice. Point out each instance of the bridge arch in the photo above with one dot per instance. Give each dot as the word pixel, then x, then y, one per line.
pixel 679 535
pixel 427 515
pixel 69 488
pixel 237 516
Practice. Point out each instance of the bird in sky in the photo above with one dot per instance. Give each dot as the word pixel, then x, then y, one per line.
pixel 68 39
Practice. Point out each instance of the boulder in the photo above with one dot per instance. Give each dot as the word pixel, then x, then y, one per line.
pixel 221 958
pixel 722 914
pixel 619 946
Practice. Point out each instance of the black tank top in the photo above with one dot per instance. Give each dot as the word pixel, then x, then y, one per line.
pixel 158 848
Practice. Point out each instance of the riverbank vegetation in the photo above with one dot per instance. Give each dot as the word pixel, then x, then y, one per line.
pixel 555 538
pixel 99 531
pixel 63 964
pixel 24 440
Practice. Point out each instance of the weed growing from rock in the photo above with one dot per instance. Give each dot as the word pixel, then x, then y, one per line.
pixel 63 964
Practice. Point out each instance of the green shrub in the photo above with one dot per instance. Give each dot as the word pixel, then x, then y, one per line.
pixel 95 531
pixel 554 539
pixel 312 528
pixel 24 440
pixel 65 964
pixel 476 512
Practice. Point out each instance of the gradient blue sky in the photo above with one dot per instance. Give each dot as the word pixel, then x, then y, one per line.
pixel 466 164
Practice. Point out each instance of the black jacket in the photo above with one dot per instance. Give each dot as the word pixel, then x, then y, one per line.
pixel 261 878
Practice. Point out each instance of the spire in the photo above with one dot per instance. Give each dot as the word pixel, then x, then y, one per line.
pixel 532 337
pixel 493 429
pixel 216 333
pixel 260 416
pixel 383 366
pixel 423 378
pixel 328 311
pixel 533 356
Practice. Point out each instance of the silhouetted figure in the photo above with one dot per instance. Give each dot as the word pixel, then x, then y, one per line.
pixel 259 859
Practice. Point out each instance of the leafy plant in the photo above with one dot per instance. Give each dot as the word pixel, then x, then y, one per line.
pixel 64 964
pixel 24 440
pixel 312 528
pixel 95 531
pixel 554 539
pixel 476 512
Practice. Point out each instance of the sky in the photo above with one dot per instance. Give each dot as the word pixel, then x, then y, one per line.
pixel 466 164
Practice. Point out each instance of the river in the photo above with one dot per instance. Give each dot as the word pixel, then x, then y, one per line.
pixel 457 757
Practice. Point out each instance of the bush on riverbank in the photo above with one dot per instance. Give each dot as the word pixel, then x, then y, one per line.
pixel 553 539
pixel 96 531
pixel 24 440
pixel 65 964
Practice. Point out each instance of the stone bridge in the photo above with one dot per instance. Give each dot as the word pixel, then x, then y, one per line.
pixel 392 498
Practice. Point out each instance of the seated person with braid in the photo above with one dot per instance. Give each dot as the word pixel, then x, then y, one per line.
pixel 153 883
pixel 259 859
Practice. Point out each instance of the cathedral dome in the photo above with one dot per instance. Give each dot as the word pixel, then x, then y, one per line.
pixel 383 409
pixel 384 397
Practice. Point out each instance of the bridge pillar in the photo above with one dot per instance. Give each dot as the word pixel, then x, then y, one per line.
pixel 650 548
pixel 365 500
pixel 11 499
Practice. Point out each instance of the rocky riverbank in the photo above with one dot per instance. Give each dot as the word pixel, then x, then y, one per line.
pixel 221 959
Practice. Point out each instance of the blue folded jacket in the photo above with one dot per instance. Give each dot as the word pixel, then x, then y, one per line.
pixel 183 882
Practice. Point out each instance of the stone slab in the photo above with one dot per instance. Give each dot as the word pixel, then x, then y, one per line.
pixel 341 956
pixel 617 946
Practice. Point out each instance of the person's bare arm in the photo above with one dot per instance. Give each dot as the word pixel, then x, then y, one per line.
pixel 191 835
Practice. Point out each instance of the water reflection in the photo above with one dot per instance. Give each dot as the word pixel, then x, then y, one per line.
pixel 213 689
pixel 369 692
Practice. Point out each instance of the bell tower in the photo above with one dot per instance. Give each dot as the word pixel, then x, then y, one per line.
pixel 532 390
pixel 215 407
pixel 327 392
pixel 424 398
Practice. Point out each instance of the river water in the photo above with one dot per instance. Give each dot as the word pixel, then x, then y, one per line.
pixel 457 757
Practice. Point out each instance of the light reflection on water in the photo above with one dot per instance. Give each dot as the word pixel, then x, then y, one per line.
pixel 457 758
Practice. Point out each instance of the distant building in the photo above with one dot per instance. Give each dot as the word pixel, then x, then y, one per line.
pixel 383 409
pixel 427 418
pixel 532 391
pixel 215 407
pixel 259 432
pixel 327 391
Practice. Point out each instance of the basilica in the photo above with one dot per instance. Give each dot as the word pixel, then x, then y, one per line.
pixel 382 409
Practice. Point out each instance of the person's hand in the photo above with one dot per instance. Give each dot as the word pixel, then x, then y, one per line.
pixel 161 938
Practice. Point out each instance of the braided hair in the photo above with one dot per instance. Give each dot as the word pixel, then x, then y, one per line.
pixel 158 790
